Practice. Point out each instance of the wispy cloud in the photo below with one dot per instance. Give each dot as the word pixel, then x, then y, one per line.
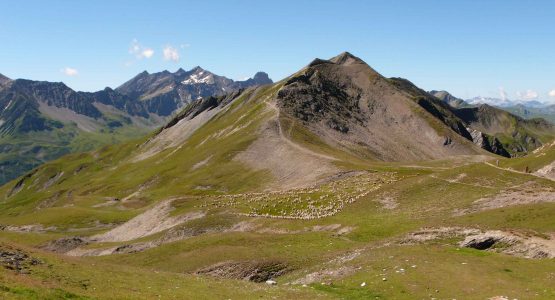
pixel 551 93
pixel 527 95
pixel 139 51
pixel 502 93
pixel 171 53
pixel 69 71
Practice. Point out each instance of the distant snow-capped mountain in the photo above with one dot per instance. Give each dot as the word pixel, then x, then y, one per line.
pixel 505 102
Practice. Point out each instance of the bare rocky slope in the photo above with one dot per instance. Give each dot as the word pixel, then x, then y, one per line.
pixel 352 107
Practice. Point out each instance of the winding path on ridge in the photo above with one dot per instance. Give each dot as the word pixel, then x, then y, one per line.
pixel 290 142
pixel 517 172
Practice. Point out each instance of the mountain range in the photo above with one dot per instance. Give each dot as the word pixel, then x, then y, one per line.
pixel 335 182
pixel 41 120
pixel 504 102
pixel 546 112
pixel 164 92
pixel 526 109
pixel 340 109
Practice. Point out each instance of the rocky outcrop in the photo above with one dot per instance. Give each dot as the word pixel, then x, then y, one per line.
pixel 260 78
pixel 16 259
pixel 488 142
pixel 312 97
pixel 66 244
pixel 511 243
pixel 247 270
pixel 197 107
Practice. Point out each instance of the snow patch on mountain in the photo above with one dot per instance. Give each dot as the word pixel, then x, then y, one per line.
pixel 201 77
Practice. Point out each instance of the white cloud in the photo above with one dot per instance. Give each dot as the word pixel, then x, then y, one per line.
pixel 148 53
pixel 551 93
pixel 528 95
pixel 69 71
pixel 171 53
pixel 502 93
pixel 140 51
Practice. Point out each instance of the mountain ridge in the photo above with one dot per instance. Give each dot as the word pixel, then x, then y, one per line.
pixel 164 92
pixel 43 120
pixel 448 98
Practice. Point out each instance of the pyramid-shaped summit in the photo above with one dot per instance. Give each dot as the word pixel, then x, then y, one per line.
pixel 346 58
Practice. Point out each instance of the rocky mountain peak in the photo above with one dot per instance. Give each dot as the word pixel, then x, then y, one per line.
pixel 180 72
pixel 197 69
pixel 261 78
pixel 346 58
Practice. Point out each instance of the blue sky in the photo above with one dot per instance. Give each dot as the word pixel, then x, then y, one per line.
pixel 469 48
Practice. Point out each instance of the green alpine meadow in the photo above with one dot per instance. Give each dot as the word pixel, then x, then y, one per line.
pixel 338 180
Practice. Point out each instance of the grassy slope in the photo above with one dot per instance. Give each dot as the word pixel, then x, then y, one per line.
pixel 72 278
pixel 534 161
pixel 425 200
pixel 109 174
pixel 426 195
pixel 25 151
